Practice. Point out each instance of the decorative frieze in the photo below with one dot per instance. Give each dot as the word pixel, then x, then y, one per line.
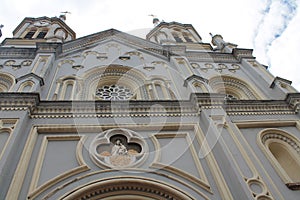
pixel 219 67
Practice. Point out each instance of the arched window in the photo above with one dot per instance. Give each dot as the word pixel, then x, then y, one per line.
pixel 26 86
pixel 69 91
pixel 65 89
pixel 30 34
pixel 114 83
pixel 199 87
pixel 283 151
pixel 42 34
pixel 232 87
pixel 159 90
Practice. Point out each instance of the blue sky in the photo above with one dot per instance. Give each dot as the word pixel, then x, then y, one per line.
pixel 270 27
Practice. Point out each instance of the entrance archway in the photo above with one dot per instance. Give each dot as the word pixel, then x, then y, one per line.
pixel 126 189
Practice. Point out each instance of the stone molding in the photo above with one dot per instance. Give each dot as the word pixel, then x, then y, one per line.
pixel 17 53
pixel 140 108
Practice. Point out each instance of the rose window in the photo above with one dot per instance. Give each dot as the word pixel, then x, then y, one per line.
pixel 113 92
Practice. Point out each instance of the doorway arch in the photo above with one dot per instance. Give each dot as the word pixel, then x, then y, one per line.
pixel 125 188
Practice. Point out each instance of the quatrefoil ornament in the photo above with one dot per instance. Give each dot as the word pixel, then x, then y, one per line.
pixel 118 148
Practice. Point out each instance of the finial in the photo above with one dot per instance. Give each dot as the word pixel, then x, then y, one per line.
pixel 63 15
pixel 211 35
pixel 155 20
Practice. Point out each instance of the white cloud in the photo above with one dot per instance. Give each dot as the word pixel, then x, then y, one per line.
pixel 273 39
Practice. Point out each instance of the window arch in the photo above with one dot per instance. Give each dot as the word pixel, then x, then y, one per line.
pixel 233 86
pixel 65 89
pixel 199 87
pixel 283 151
pixel 26 86
pixel 6 82
pixel 114 82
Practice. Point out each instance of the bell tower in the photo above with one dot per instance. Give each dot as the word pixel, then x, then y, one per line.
pixel 42 29
pixel 173 33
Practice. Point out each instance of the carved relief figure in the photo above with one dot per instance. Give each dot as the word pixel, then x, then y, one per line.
pixel 119 149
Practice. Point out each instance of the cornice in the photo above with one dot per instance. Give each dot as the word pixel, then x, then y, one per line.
pixel 258 107
pixel 240 54
pixel 18 101
pixel 276 79
pixel 108 109
pixel 14 53
pixel 211 57
pixel 138 108
pixel 293 99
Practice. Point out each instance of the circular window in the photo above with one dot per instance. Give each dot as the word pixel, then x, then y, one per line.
pixel 113 92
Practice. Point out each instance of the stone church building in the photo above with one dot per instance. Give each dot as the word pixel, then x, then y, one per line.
pixel 112 116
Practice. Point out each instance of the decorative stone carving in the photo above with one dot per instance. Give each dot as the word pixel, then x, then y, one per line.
pixel 217 67
pixel 117 148
pixel 77 67
pixel 26 63
pixel 195 65
pixel 15 67
pixel 9 62
pixel 149 68
pixel 114 92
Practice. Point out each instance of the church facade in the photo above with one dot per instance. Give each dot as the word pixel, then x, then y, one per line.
pixel 114 116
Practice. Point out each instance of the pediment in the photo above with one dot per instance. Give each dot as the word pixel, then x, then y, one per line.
pixel 113 35
pixel 31 76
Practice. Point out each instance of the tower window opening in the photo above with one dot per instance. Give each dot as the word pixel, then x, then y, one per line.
pixel 30 34
pixel 41 34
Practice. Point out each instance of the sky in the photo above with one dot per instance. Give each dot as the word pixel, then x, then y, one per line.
pixel 269 27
